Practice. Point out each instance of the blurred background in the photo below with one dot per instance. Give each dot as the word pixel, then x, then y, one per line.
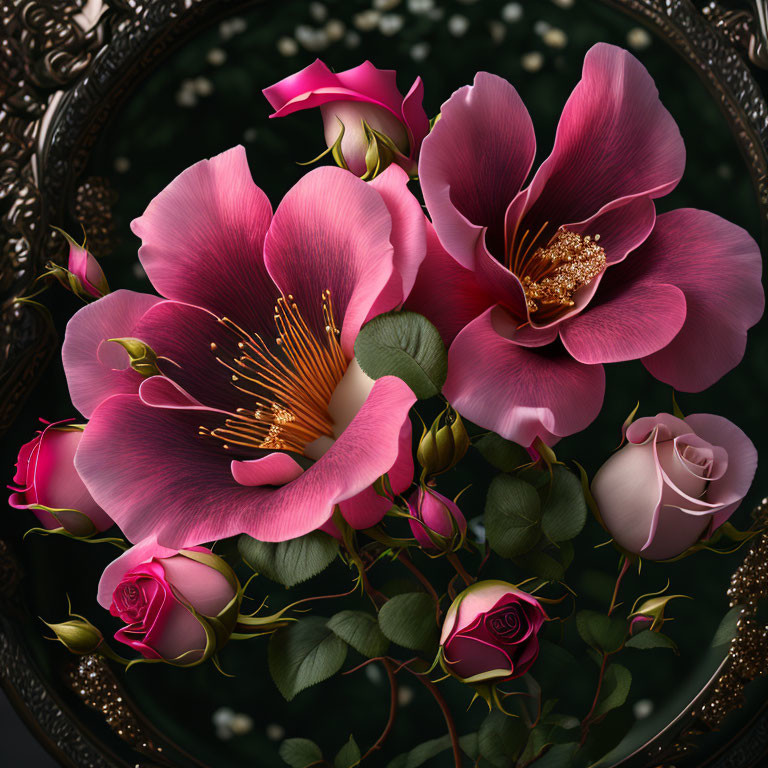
pixel 206 98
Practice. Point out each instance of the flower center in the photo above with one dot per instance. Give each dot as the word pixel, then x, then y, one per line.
pixel 552 274
pixel 291 386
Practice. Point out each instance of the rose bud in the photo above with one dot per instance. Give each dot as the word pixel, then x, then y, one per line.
pixel 639 624
pixel 78 635
pixel 675 482
pixel 48 483
pixel 650 614
pixel 180 609
pixel 83 276
pixel 490 633
pixel 368 123
pixel 443 445
pixel 436 522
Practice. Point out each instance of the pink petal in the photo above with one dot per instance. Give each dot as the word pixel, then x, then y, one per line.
pixel 717 266
pixel 202 239
pixel 272 469
pixel 626 321
pixel 332 232
pixel 519 392
pixel 466 657
pixel 474 162
pixel 446 293
pixel 161 479
pixel 96 368
pixel 408 236
pixel 615 140
pixel 414 117
pixel 731 488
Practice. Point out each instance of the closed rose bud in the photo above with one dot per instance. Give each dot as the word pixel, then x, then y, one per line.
pixel 86 277
pixel 143 359
pixel 437 522
pixel 78 635
pixel 379 125
pixel 649 614
pixel 443 445
pixel 639 624
pixel 47 482
pixel 490 633
pixel 675 482
pixel 180 608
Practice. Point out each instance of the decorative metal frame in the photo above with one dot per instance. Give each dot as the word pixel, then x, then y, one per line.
pixel 65 66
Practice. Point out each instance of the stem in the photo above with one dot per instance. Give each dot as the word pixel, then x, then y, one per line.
pixel 585 722
pixel 624 569
pixel 406 561
pixel 392 710
pixel 438 697
pixel 453 559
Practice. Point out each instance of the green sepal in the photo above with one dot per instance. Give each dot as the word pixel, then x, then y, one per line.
pixel 590 499
pixel 676 408
pixel 380 153
pixel 334 150
pixel 115 541
pixel 443 445
pixel 627 422
pixel 725 533
pixel 143 359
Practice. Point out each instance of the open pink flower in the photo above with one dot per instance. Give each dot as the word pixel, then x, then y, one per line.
pixel 575 270
pixel 261 422
pixel 364 93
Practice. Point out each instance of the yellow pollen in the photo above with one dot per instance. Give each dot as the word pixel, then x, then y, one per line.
pixel 289 388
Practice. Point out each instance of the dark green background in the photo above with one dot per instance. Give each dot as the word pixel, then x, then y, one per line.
pixel 159 138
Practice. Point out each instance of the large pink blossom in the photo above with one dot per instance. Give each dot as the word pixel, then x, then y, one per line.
pixel 536 288
pixel 260 421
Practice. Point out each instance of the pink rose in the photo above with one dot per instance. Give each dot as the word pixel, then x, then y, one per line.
pixel 48 483
pixel 349 98
pixel 675 482
pixel 490 633
pixel 180 609
pixel 83 275
pixel 438 523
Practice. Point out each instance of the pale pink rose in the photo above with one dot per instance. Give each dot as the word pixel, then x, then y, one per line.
pixel 46 478
pixel 490 633
pixel 435 514
pixel 171 605
pixel 675 482
pixel 364 93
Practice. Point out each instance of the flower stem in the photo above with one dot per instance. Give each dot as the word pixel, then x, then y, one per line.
pixel 622 571
pixel 392 709
pixel 408 563
pixel 438 697
pixel 453 559
pixel 585 722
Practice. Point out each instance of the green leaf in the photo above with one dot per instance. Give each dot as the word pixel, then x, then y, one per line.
pixel 304 653
pixel 554 667
pixel 348 756
pixel 501 738
pixel 361 631
pixel 409 620
pixel 615 689
pixel 727 629
pixel 558 756
pixel 512 516
pixel 538 740
pixel 406 345
pixel 299 753
pixel 564 511
pixel 600 631
pixel 502 454
pixel 538 563
pixel 289 562
pixel 647 639
pixel 429 749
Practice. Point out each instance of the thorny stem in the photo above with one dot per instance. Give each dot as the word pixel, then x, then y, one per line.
pixel 408 563
pixel 624 569
pixel 392 709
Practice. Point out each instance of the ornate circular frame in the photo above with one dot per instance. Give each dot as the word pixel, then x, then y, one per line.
pixel 65 67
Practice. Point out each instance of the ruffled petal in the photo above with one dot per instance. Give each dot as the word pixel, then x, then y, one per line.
pixel 202 239
pixel 331 232
pixel 474 162
pixel 272 469
pixel 615 140
pixel 96 368
pixel 446 293
pixel 467 656
pixel 717 266
pixel 519 392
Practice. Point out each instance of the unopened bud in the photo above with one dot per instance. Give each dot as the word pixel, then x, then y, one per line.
pixel 443 445
pixel 78 635
pixel 143 357
pixel 436 522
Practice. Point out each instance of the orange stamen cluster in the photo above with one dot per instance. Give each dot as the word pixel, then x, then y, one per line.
pixel 290 386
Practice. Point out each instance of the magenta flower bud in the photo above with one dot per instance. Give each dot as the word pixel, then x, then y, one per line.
pixel 675 482
pixel 437 523
pixel 180 609
pixel 640 623
pixel 85 274
pixel 366 118
pixel 490 633
pixel 47 482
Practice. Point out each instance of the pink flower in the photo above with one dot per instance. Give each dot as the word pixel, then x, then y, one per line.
pixel 675 482
pixel 436 517
pixel 85 273
pixel 490 633
pixel 532 300
pixel 261 422
pixel 349 98
pixel 48 483
pixel 178 607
